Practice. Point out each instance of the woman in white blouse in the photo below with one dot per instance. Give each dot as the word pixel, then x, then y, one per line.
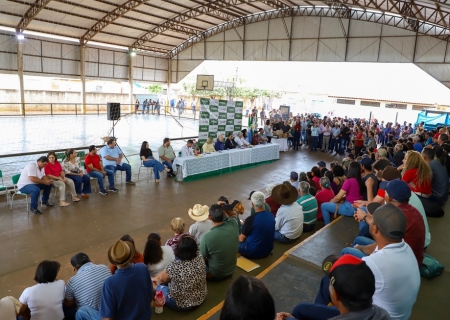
pixel 73 171
pixel 45 299
pixel 157 257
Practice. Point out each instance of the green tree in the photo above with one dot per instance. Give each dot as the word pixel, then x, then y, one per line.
pixel 155 88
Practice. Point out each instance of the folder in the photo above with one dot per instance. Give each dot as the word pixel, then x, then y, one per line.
pixel 246 265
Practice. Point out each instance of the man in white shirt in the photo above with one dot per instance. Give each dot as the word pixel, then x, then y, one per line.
pixel 32 180
pixel 239 139
pixel 186 150
pixel 289 218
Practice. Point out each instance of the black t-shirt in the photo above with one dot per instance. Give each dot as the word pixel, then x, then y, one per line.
pixel 146 153
pixel 375 185
pixel 276 126
pixel 345 133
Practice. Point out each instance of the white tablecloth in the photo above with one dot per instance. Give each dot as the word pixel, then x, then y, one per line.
pixel 228 158
pixel 282 142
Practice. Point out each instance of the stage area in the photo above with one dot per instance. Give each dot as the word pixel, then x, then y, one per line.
pixel 92 225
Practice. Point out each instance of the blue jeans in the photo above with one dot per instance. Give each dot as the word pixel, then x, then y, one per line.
pixel 34 190
pixel 362 241
pixel 280 238
pixel 319 309
pixel 314 143
pixel 84 181
pixel 156 165
pixel 296 140
pixel 328 209
pixel 344 145
pixel 168 165
pixel 120 167
pixel 99 176
pixel 88 313
pixel 170 302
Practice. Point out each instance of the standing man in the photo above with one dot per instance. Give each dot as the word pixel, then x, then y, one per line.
pixel 85 287
pixel 220 256
pixel 129 293
pixel 193 106
pixel 166 154
pixel 172 105
pixel 112 158
pixel 335 139
pixel 95 169
pixel 32 180
pixel 186 150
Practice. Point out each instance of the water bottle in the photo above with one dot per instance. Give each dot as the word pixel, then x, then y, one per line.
pixel 159 301
pixel 179 154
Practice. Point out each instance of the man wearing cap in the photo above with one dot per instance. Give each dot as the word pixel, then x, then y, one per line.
pixel 129 293
pixel 256 238
pixel 349 284
pixel 322 165
pixel 220 256
pixel 366 166
pixel 85 287
pixel 202 224
pixel 289 219
pixel 439 181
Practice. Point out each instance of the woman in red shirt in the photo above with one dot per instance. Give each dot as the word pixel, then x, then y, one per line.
pixel 326 194
pixel 359 141
pixel 417 174
pixel 55 172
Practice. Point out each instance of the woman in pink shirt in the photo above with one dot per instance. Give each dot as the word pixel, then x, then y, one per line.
pixel 351 191
pixel 55 172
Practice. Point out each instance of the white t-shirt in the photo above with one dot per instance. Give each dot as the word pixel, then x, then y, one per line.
pixel 241 142
pixel 397 279
pixel 198 229
pixel 30 170
pixel 186 152
pixel 45 300
pixel 168 257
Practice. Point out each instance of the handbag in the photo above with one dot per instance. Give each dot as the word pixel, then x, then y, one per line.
pixel 430 267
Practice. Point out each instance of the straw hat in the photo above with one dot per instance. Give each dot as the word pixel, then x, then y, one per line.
pixel 199 212
pixel 284 194
pixel 121 253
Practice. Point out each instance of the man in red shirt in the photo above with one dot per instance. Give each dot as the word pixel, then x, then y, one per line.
pixel 94 168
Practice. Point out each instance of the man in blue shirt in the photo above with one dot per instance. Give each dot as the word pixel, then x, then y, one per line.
pixel 112 157
pixel 129 293
pixel 417 145
pixel 256 239
pixel 219 145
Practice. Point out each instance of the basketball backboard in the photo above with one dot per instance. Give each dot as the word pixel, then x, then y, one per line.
pixel 205 82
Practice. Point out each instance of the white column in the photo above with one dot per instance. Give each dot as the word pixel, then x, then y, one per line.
pixel 83 78
pixel 131 55
pixel 20 74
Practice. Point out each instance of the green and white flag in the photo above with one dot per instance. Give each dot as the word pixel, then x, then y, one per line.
pixel 219 117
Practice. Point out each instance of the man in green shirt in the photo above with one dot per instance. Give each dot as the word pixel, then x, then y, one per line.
pixel 166 154
pixel 220 245
pixel 309 205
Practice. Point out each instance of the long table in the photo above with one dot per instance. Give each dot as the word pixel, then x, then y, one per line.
pixel 192 165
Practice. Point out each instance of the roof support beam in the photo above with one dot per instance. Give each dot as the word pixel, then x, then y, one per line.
pixel 32 12
pixel 110 17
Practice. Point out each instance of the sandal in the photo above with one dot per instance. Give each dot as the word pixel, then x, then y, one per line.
pixel 75 199
pixel 167 169
pixel 63 204
pixel 84 195
pixel 156 180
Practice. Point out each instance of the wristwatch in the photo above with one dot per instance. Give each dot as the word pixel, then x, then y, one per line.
pixel 364 219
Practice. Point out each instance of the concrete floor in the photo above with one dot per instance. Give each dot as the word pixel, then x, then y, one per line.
pixel 92 225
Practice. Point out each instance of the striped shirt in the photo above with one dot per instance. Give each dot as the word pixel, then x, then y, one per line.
pixel 309 205
pixel 86 286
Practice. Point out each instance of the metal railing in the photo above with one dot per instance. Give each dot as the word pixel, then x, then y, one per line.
pixel 51 109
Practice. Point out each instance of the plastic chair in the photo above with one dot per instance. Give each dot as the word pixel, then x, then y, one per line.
pixel 149 174
pixel 4 188
pixel 16 191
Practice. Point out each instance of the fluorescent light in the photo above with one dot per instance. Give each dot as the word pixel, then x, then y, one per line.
pixel 20 36
pixel 132 53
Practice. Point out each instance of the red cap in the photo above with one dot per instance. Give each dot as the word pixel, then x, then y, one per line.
pixel 331 262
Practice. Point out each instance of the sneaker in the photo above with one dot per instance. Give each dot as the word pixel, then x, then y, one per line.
pixel 130 182
pixel 113 189
pixel 36 211
pixel 48 204
pixel 103 192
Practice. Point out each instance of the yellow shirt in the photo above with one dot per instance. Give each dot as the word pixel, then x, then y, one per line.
pixel 208 147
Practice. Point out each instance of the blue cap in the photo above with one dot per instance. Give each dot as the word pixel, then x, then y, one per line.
pixel 366 162
pixel 398 190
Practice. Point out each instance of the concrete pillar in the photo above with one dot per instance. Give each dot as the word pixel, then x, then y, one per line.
pixel 20 74
pixel 131 55
pixel 83 78
pixel 169 82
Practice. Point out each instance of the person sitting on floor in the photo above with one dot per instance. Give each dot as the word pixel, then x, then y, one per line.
pixel 274 206
pixel 32 180
pixel 156 256
pixel 248 298
pixel 95 169
pixel 349 284
pixel 177 226
pixel 202 224
pixel 439 180
pixel 241 142
pixel 167 155
pixel 256 239
pixel 208 147
pixel 230 143
pixel 367 172
pixel 309 206
pixel 266 205
pixel 149 161
pixel 85 287
pixel 397 276
pixel 326 194
pixel 289 219
pixel 112 158
pixel 417 174
pixel 184 279
pixel 137 258
pixel 129 293
pixel 294 179
pixel 220 256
